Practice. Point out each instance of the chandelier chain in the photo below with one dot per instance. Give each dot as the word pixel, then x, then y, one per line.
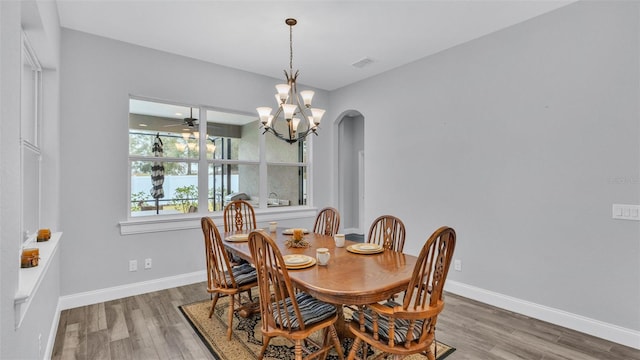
pixel 291 49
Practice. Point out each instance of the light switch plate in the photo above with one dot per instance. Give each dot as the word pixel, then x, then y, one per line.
pixel 626 212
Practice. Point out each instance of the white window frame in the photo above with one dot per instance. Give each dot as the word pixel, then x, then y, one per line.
pixel 159 223
pixel 31 188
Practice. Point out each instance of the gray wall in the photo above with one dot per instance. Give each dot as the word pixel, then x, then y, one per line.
pixel 521 140
pixel 40 22
pixel 98 75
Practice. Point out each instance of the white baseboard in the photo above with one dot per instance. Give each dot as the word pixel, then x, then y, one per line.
pixel 117 292
pixel 351 231
pixel 48 351
pixel 617 334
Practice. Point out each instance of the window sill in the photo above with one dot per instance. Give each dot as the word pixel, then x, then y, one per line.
pixel 30 278
pixel 161 223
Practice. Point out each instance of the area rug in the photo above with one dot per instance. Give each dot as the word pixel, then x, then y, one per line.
pixel 247 338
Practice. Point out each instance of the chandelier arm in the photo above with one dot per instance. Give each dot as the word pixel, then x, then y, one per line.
pixel 276 115
pixel 275 132
pixel 301 135
pixel 290 126
pixel 301 111
pixel 282 137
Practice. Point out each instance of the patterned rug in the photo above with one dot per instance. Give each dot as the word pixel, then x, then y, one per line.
pixel 246 340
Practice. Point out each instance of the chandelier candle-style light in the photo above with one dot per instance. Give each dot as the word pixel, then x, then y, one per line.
pixel 301 119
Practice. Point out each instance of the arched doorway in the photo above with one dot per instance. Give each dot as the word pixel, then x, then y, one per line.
pixel 351 171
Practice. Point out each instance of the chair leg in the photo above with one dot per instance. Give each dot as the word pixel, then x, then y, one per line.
pixel 230 320
pixel 213 304
pixel 336 342
pixel 298 350
pixel 354 349
pixel 431 355
pixel 265 343
pixel 326 341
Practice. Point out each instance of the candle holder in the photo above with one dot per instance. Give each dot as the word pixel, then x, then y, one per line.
pixel 30 258
pixel 43 235
pixel 298 234
pixel 302 243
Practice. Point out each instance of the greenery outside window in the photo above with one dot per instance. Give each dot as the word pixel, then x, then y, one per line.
pixel 207 163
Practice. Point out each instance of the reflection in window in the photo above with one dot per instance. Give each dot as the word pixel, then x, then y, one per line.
pixel 227 179
pixel 235 136
pixel 177 128
pixel 287 172
pixel 231 145
pixel 287 185
pixel 180 188
pixel 279 151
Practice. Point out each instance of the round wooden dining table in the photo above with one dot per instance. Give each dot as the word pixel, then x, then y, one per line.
pixel 348 278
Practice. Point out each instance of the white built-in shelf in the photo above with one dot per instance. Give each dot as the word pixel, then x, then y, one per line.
pixel 29 279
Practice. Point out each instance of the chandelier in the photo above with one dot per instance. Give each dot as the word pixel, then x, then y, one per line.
pixel 296 120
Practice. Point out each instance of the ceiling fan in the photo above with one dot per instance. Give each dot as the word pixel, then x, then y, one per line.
pixel 188 121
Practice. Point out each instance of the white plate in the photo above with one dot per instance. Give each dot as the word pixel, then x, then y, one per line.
pixel 367 247
pixel 297 259
pixel 290 231
pixel 238 237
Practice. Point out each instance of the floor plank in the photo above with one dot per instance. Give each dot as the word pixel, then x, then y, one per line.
pixel 150 326
pixel 98 345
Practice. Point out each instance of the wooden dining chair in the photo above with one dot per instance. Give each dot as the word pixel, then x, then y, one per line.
pixel 409 328
pixel 286 312
pixel 387 231
pixel 239 216
pixel 221 281
pixel 327 222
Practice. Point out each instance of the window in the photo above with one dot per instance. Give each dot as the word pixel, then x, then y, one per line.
pixel 287 172
pixel 207 162
pixel 233 166
pixel 31 85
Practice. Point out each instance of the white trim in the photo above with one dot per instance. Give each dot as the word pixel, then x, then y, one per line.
pixel 617 334
pixel 122 291
pixel 361 182
pixel 352 231
pixel 29 279
pixel 161 223
pixel 51 340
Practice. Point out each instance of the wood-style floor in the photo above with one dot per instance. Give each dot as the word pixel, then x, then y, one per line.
pixel 150 326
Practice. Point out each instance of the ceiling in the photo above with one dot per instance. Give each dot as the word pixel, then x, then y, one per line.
pixel 330 35
pixel 164 114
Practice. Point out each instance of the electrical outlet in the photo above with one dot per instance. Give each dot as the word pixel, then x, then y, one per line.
pixel 626 212
pixel 133 265
pixel 147 263
pixel 457 264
